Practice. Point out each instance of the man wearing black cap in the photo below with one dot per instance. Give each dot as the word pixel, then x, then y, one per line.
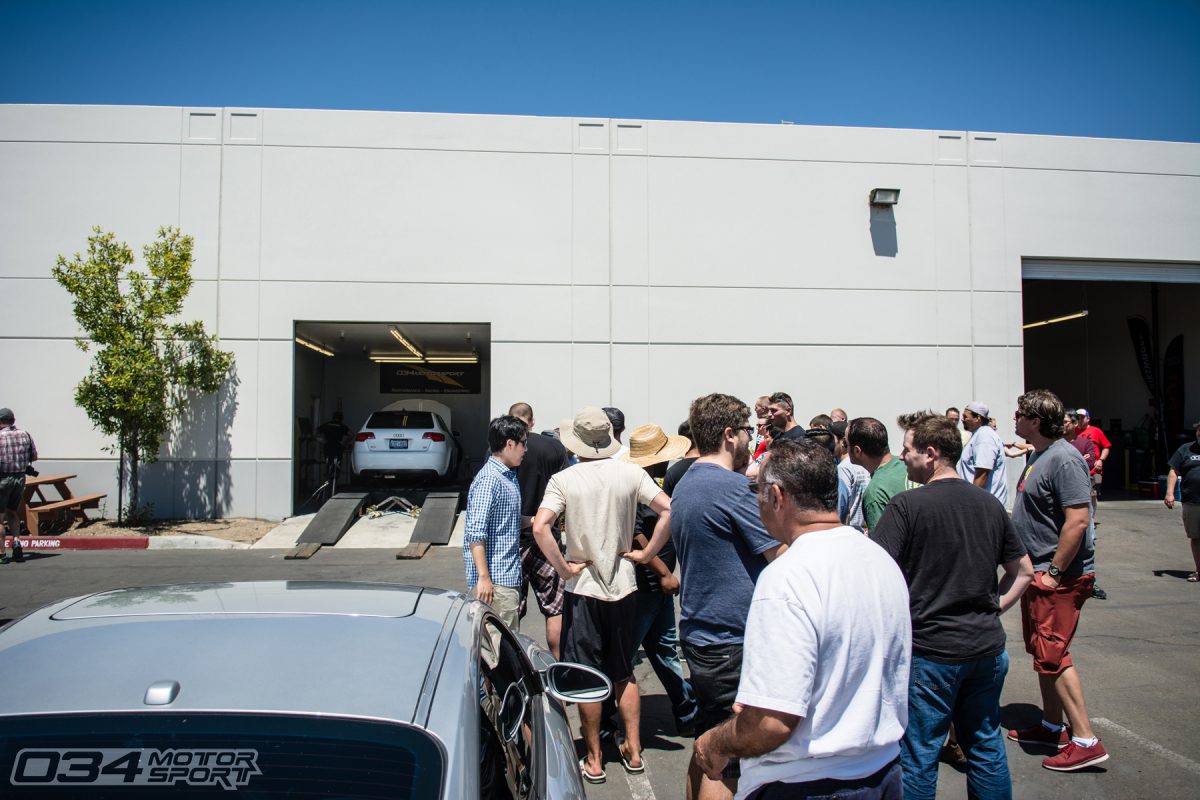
pixel 617 417
pixel 1185 467
pixel 17 453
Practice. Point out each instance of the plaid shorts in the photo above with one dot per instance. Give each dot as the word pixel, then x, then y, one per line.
pixel 547 584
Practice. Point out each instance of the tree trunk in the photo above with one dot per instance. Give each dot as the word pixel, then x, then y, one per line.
pixel 133 481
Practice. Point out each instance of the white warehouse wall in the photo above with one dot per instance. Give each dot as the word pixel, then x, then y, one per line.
pixel 627 262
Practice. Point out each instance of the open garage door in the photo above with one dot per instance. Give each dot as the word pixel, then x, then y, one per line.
pixel 414 396
pixel 1115 337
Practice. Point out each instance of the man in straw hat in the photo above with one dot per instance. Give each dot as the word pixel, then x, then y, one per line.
pixel 651 448
pixel 600 497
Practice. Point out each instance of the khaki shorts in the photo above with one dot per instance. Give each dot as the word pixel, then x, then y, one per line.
pixel 1191 520
pixel 506 602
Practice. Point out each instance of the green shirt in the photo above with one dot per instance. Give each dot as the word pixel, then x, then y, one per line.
pixel 888 481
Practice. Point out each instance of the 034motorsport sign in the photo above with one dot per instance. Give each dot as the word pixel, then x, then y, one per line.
pixel 430 378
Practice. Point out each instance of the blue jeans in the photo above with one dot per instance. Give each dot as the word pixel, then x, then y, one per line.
pixel 656 632
pixel 969 694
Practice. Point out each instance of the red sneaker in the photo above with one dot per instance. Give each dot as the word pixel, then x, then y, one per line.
pixel 1041 735
pixel 1074 757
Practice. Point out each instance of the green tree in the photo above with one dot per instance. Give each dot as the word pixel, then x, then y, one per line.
pixel 148 366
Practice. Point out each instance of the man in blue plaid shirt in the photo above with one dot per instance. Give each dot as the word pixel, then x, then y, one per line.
pixel 491 540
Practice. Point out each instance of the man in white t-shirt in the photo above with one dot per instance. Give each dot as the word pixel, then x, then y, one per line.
pixel 599 497
pixel 823 698
pixel 982 460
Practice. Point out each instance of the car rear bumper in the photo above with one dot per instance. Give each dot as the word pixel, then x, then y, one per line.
pixel 374 464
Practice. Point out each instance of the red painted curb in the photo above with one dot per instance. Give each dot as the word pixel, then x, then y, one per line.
pixel 35 543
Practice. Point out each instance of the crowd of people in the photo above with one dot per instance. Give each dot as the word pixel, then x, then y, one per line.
pixel 839 605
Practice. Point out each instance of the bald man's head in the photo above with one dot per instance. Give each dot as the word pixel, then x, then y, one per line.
pixel 523 412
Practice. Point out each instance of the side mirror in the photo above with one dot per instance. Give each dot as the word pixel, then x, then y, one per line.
pixel 575 683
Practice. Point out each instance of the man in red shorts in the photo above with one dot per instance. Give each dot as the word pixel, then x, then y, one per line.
pixel 1052 515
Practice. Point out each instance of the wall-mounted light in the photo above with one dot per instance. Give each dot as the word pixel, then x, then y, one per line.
pixel 399 337
pixel 1040 323
pixel 325 351
pixel 885 197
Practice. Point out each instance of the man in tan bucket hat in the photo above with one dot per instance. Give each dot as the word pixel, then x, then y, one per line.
pixel 600 496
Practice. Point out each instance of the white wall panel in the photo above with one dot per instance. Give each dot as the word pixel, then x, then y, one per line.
pixel 631 313
pixel 200 206
pixel 532 373
pixel 631 387
pixel 590 370
pixel 590 219
pixel 997 386
pixel 790 142
pixel 953 317
pixel 43 398
pixel 375 129
pixel 767 223
pixel 952 227
pixel 1051 214
pixel 275 389
pixel 1099 155
pixel 274 489
pixel 241 212
pixel 36 308
pixel 521 313
pixel 990 267
pixel 954 382
pixel 240 402
pixel 811 316
pixel 416 216
pixel 590 314
pixel 989 318
pixel 630 220
pixel 239 309
pixel 51 195
pixel 239 495
pixel 136 124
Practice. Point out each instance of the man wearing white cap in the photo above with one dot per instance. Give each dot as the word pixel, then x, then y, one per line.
pixel 982 461
pixel 600 496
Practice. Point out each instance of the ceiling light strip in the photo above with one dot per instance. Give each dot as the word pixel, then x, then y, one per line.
pixel 405 342
pixel 314 346
pixel 1055 320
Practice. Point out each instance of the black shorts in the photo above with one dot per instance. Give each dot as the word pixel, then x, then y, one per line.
pixel 12 489
pixel 600 633
pixel 715 671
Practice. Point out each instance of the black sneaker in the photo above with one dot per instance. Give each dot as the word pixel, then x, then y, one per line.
pixel 1099 593
pixel 18 554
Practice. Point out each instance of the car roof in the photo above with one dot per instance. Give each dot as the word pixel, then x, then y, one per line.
pixel 353 649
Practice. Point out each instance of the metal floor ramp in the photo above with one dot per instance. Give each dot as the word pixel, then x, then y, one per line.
pixel 334 519
pixel 436 522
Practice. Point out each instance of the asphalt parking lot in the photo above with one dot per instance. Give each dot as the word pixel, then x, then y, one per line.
pixel 1138 652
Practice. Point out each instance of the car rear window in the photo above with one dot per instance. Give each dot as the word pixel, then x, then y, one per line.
pixel 400 419
pixel 215 755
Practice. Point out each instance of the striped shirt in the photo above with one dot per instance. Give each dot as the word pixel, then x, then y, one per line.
pixel 494 518
pixel 16 449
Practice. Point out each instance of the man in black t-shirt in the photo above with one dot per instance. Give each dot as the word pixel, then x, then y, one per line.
pixel 948 537
pixel 544 456
pixel 334 435
pixel 1185 468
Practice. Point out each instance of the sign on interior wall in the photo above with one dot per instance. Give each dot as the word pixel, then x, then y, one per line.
pixel 430 378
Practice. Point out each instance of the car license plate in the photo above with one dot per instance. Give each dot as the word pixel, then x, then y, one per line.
pixel 398 444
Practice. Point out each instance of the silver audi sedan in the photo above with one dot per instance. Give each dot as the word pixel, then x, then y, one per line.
pixel 284 689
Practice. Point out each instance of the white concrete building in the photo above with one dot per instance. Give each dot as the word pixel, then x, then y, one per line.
pixel 613 262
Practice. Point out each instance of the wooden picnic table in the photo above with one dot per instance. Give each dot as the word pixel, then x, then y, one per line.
pixel 35 504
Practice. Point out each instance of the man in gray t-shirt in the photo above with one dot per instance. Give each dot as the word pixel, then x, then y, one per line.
pixel 1052 515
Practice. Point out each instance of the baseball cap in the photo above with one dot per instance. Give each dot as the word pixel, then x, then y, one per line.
pixel 6 413
pixel 616 417
pixel 976 407
pixel 1081 412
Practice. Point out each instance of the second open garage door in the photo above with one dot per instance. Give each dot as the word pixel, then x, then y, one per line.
pixel 1115 337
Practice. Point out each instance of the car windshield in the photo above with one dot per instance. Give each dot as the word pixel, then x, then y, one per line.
pixel 400 419
pixel 210 755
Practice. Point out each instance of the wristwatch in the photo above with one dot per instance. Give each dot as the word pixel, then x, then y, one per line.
pixel 1054 572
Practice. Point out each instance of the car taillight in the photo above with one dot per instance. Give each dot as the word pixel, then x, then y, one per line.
pixel 434 437
pixel 362 437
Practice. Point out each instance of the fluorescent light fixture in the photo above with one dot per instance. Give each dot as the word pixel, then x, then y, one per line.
pixel 405 342
pixel 1040 323
pixel 885 197
pixel 463 359
pixel 392 358
pixel 325 351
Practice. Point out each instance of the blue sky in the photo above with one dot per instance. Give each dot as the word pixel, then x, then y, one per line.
pixel 1108 69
